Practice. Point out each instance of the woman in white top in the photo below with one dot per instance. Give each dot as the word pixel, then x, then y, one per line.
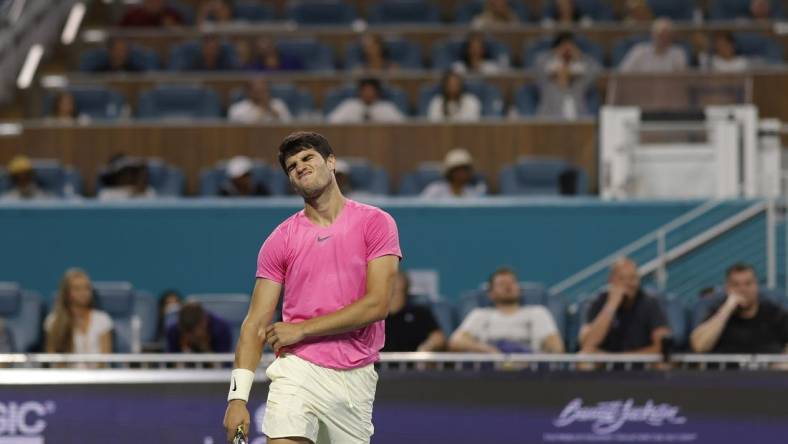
pixel 724 58
pixel 453 103
pixel 74 326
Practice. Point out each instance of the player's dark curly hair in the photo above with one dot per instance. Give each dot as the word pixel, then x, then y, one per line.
pixel 300 141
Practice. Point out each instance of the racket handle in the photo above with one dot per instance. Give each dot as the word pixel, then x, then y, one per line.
pixel 240 437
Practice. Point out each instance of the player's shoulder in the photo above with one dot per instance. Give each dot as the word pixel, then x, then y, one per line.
pixel 367 211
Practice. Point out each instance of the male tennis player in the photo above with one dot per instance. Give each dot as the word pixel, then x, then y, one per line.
pixel 337 260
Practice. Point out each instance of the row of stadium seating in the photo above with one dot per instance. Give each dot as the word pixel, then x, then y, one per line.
pixel 339 12
pixel 529 176
pixel 316 56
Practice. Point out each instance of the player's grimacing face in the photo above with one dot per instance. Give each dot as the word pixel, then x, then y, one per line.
pixel 309 172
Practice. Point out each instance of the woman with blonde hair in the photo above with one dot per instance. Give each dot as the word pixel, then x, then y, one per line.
pixel 74 326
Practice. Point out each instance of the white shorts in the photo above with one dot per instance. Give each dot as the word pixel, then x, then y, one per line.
pixel 318 403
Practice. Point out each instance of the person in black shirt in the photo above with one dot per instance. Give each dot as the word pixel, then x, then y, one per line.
pixel 624 319
pixel 743 322
pixel 410 327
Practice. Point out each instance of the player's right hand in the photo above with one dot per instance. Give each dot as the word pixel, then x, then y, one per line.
pixel 236 414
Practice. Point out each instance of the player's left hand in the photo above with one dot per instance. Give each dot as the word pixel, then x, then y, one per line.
pixel 282 334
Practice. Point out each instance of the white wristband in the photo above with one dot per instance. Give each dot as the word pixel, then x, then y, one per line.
pixel 240 384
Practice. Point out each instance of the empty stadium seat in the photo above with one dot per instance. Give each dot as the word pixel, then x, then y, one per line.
pixel 187 57
pixel 52 177
pixel 395 94
pixel 403 11
pixel 185 10
pixel 367 178
pixel 678 319
pixel 123 303
pixel 466 11
pixel 531 51
pixel 271 177
pixel 596 10
pixel 489 95
pixel 21 311
pixel 527 97
pixel 404 53
pixel 758 46
pixel 447 52
pixel 299 102
pixel 540 176
pixel 677 10
pixel 313 55
pixel 733 9
pixel 140 59
pixel 179 101
pixel 321 12
pixel 253 11
pixel 95 102
pixel 167 180
pixel 232 307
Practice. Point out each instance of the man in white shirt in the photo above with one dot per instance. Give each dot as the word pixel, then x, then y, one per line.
pixel 369 106
pixel 259 106
pixel 659 55
pixel 507 327
pixel 458 178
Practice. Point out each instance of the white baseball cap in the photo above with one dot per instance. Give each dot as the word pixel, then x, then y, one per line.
pixel 456 158
pixel 238 166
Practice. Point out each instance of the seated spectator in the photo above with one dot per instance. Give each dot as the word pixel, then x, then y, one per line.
pixel 212 58
pixel 495 13
pixel 760 10
pixel 74 326
pixel 240 182
pixel 743 322
pixel 23 181
pixel 724 58
pixel 169 303
pixel 119 59
pixel 659 55
pixel 410 327
pixel 126 178
pixel 259 106
pixel 476 57
pixel 453 102
pixel 6 339
pixel 198 331
pixel 624 319
pixel 369 106
pixel 151 13
pixel 458 179
pixel 64 109
pixel 374 54
pixel 214 11
pixel 565 75
pixel 266 57
pixel 637 12
pixel 565 13
pixel 508 326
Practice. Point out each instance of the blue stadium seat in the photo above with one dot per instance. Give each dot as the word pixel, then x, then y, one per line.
pixel 123 303
pixel 447 52
pixel 404 53
pixel 232 307
pixel 414 182
pixel 733 9
pixel 527 97
pixel 366 177
pixel 622 47
pixel 596 10
pixel 678 319
pixel 21 310
pixel 442 310
pixel 538 176
pixel 759 46
pixel 52 177
pixel 299 102
pixel 321 12
pixel 313 55
pixel 179 102
pixel 489 95
pixel 185 10
pixel 403 11
pixel 140 59
pixel 588 46
pixel 392 93
pixel 186 57
pixel 96 102
pixel 253 11
pixel 466 11
pixel 271 177
pixel 167 180
pixel 676 10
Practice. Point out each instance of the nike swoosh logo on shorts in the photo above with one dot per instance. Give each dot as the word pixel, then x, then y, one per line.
pixel 321 239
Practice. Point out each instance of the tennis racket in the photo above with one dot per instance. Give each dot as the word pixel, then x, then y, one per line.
pixel 240 437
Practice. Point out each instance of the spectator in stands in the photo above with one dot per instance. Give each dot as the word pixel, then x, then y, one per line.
pixel 369 106
pixel 239 182
pixel 198 331
pixel 637 12
pixel 724 58
pixel 65 109
pixel 453 102
pixel 564 76
pixel 760 10
pixel 624 318
pixel 495 13
pixel 6 339
pixel 743 322
pixel 410 327
pixel 23 181
pixel 477 58
pixel 259 106
pixel 374 54
pixel 126 178
pixel 212 58
pixel 119 59
pixel 152 13
pixel 659 55
pixel 169 302
pixel 565 13
pixel 458 181
pixel 74 326
pixel 508 326
pixel 267 58
pixel 214 11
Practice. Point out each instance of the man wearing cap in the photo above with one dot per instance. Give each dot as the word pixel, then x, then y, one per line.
pixel 458 178
pixel 126 178
pixel 23 179
pixel 239 182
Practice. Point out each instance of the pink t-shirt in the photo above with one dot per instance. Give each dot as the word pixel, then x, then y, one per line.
pixel 324 269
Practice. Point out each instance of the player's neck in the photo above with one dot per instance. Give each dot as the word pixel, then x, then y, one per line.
pixel 324 209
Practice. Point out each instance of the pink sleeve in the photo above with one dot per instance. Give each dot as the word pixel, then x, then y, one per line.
pixel 271 262
pixel 381 236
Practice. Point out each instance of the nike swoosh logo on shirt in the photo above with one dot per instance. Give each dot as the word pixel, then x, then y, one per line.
pixel 321 239
pixel 235 386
